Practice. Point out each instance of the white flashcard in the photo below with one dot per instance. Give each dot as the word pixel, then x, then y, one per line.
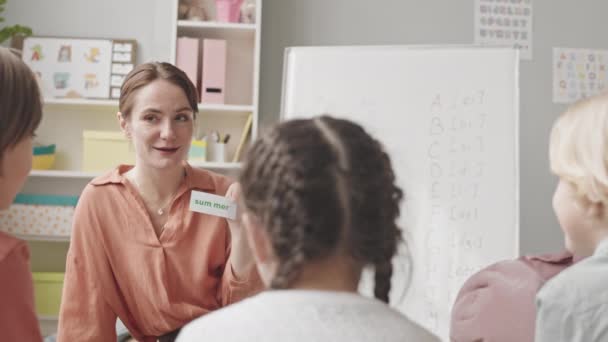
pixel 211 204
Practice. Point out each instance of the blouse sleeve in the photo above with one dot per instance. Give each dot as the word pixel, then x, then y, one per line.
pixel 85 314
pixel 233 289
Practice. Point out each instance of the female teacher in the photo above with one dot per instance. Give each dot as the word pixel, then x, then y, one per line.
pixel 137 251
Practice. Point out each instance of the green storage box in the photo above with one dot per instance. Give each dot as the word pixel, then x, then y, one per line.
pixel 47 292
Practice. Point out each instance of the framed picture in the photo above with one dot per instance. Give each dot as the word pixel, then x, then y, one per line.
pixel 79 68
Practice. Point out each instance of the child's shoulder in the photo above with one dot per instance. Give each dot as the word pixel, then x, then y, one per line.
pixel 218 325
pixel 10 244
pixel 575 285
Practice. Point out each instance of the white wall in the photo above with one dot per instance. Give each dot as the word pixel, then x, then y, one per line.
pixel 147 21
pixel 563 23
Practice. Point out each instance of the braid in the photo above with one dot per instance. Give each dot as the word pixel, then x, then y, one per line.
pixel 321 187
pixel 374 233
pixel 382 279
pixel 287 271
pixel 392 233
pixel 283 190
pixel 288 243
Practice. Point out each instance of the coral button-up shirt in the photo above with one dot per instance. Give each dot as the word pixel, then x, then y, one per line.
pixel 118 267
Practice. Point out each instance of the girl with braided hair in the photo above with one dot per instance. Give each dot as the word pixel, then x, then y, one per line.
pixel 320 204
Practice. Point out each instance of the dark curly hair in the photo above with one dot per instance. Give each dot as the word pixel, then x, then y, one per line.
pixel 321 186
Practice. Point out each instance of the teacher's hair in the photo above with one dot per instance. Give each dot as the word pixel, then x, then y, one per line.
pixel 146 73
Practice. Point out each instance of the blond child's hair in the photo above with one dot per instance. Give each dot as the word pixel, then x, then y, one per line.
pixel 578 148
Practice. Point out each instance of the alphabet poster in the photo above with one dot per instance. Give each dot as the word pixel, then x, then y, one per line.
pixel 505 23
pixel 77 68
pixel 578 73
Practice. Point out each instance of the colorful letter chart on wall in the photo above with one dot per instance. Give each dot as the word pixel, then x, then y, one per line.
pixel 505 23
pixel 578 73
pixel 73 68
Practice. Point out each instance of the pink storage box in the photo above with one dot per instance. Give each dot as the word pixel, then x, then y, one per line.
pixel 228 10
pixel 186 57
pixel 213 87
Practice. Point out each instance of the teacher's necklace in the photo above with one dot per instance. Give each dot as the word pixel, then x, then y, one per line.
pixel 161 210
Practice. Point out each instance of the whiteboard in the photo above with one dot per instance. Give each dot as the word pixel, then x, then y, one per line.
pixel 448 116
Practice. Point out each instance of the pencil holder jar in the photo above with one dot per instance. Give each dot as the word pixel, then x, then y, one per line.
pixel 217 152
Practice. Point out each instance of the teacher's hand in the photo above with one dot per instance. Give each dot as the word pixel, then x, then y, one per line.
pixel 240 255
pixel 234 194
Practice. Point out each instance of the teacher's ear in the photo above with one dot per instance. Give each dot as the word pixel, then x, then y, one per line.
pixel 124 125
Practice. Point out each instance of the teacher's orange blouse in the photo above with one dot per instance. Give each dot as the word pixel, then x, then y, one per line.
pixel 118 267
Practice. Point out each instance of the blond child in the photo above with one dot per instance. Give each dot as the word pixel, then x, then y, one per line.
pixel 573 306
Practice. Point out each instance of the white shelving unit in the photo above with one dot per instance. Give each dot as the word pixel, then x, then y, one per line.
pixel 47 238
pixel 216 166
pixel 63 174
pixel 65 119
pixel 216 25
pixel 113 104
pixel 80 102
pixel 242 71
pixel 210 107
pixel 90 175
